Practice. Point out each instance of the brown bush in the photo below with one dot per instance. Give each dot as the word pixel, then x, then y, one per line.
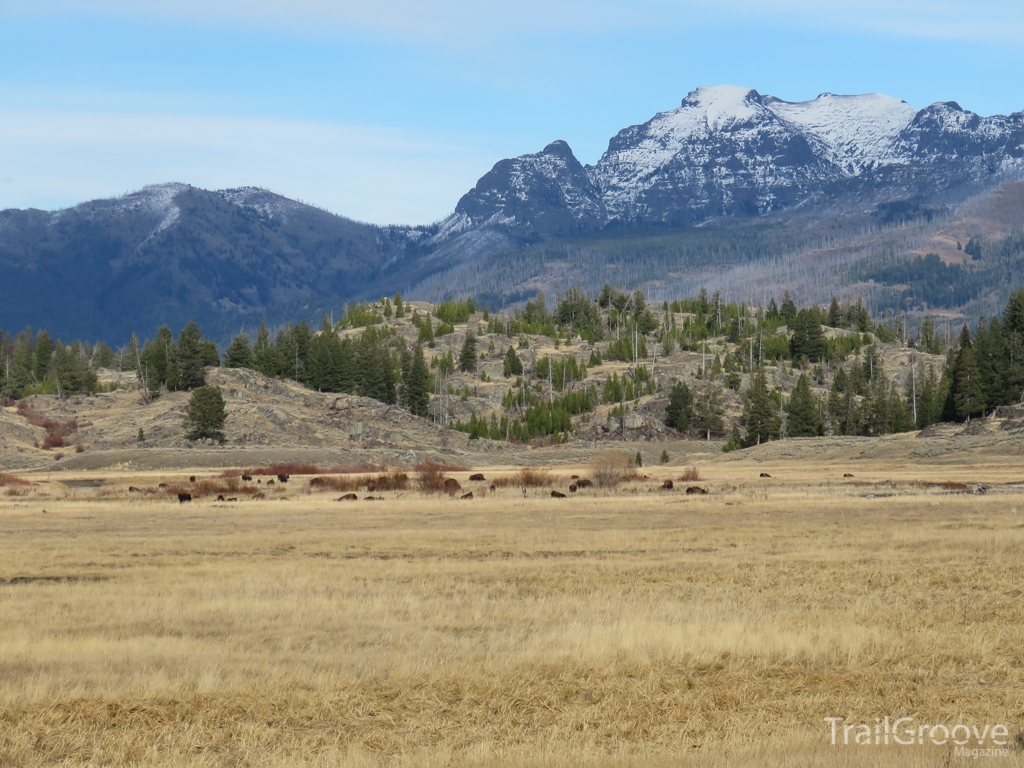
pixel 609 467
pixel 690 475
pixel 12 480
pixel 391 481
pixel 430 477
pixel 208 487
pixel 57 433
pixel 532 477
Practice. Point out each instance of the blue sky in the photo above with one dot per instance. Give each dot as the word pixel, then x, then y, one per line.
pixel 390 113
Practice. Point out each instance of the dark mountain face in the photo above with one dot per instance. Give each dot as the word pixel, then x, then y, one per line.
pixel 727 157
pixel 175 253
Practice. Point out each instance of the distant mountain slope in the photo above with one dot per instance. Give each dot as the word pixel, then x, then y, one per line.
pixel 172 253
pixel 733 189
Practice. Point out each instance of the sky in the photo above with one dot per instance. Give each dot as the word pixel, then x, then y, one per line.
pixel 388 112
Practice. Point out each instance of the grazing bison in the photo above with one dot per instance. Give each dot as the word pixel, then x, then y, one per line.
pixel 477 478
pixel 575 477
pixel 347 497
pixel 247 478
pixel 572 488
pixel 133 489
pixel 259 482
pixel 370 498
pixel 493 488
pixel 451 486
pixel 283 478
pixel 232 498
pixel 467 496
pixel 183 497
pixel 847 475
pixel 695 490
pixel 270 482
pixel 668 485
pixel 584 482
pixel 765 474
pixel 220 497
pixel 163 485
pixel 557 495
pixel 192 479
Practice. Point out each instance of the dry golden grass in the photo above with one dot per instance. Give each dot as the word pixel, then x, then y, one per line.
pixel 608 629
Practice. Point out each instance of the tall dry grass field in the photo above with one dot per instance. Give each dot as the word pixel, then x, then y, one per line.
pixel 623 629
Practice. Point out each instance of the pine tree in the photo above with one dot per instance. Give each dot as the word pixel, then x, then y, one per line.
pixel 21 364
pixel 708 410
pixel 467 358
pixel 514 366
pixel 788 310
pixel 416 386
pixel 807 340
pixel 266 358
pixel 239 353
pixel 803 413
pixel 42 357
pixel 206 415
pixel 761 412
pixel 679 412
pixel 966 389
pixel 191 359
pixel 399 306
pixel 835 315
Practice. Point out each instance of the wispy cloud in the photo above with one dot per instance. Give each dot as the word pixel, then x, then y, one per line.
pixel 51 159
pixel 995 20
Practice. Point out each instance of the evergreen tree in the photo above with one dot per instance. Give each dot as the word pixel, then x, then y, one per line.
pixel 416 387
pixel 206 415
pixel 239 354
pixel 467 358
pixel 266 358
pixel 42 355
pixel 966 391
pixel 679 412
pixel 807 340
pixel 760 412
pixel 803 413
pixel 399 306
pixel 788 310
pixel 72 371
pixel 773 311
pixel 21 364
pixel 835 315
pixel 191 359
pixel 708 410
pixel 514 366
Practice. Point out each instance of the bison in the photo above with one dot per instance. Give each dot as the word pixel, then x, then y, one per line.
pixel 347 497
pixel 451 486
pixel 163 485
pixel 282 478
pixel 183 497
pixel 467 496
pixel 232 498
pixel 270 482
pixel 668 485
pixel 316 482
pixel 575 477
pixel 695 490
pixel 765 474
pixel 220 497
pixel 247 478
pixel 584 482
pixel 572 488
pixel 133 489
pixel 557 495
pixel 192 479
pixel 260 495
pixel 493 488
pixel 847 475
pixel 477 478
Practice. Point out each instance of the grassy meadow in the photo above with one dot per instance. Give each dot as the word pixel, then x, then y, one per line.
pixel 614 628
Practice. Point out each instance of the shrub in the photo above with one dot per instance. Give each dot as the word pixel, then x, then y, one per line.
pixel 431 477
pixel 391 481
pixel 609 467
pixel 690 475
pixel 12 480
pixel 206 415
pixel 531 477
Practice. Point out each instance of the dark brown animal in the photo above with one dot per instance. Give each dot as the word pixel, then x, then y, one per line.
pixel 192 479
pixel 163 485
pixel 493 488
pixel 575 477
pixel 584 482
pixel 247 478
pixel 668 485
pixel 695 490
pixel 259 482
pixel 260 495
pixel 316 482
pixel 847 475
pixel 477 478
pixel 467 496
pixel 220 497
pixel 133 489
pixel 183 497
pixel 558 495
pixel 270 482
pixel 283 478
pixel 347 497
pixel 371 486
pixel 765 474
pixel 451 486
pixel 233 498
pixel 370 498
pixel 572 488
